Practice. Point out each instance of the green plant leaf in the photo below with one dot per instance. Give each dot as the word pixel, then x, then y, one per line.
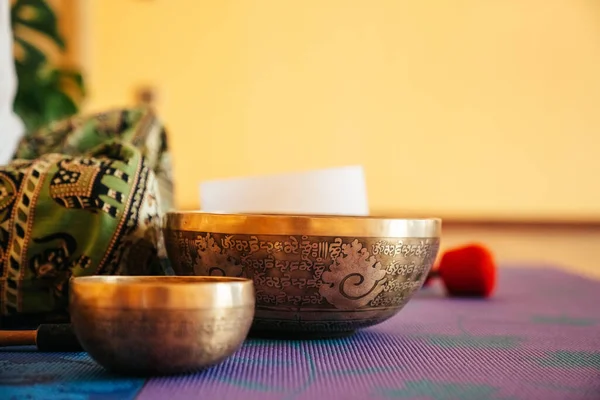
pixel 59 106
pixel 37 15
pixel 44 93
pixel 33 57
pixel 73 76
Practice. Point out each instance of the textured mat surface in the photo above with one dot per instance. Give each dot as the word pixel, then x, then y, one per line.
pixel 538 338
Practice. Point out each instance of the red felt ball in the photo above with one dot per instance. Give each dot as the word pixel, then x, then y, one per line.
pixel 468 271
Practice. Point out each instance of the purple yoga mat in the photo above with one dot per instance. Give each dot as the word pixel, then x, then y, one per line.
pixel 538 338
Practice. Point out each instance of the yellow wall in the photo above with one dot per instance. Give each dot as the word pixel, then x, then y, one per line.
pixel 457 108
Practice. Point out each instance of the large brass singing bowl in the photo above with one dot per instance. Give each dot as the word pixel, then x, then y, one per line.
pixel 313 275
pixel 160 325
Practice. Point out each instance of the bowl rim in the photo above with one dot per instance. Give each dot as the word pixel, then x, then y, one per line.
pixel 159 280
pixel 302 224
pixel 169 292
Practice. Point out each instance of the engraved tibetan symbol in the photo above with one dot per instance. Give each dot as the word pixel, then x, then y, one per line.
pixel 210 259
pixel 354 279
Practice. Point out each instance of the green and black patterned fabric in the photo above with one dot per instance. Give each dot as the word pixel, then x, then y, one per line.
pixel 82 196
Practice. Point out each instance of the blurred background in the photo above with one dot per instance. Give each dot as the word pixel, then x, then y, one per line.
pixel 482 112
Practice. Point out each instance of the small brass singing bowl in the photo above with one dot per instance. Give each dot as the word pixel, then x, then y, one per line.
pixel 314 276
pixel 160 325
